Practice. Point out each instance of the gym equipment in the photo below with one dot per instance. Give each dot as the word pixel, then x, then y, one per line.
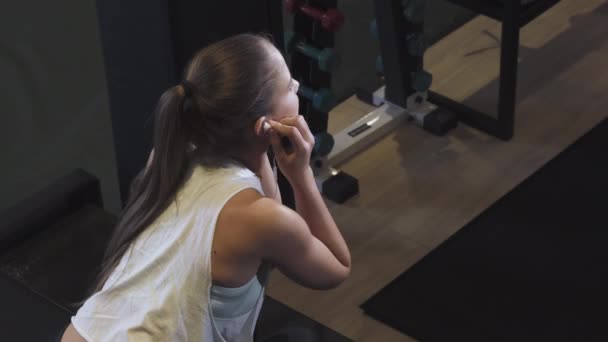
pixel 43 264
pixel 416 44
pixel 322 99
pixel 331 20
pixel 390 111
pixel 339 187
pixel 416 100
pixel 336 185
pixel 413 10
pixel 324 143
pixel 67 227
pixel 373 29
pixel 326 57
pixel 379 65
pixel 384 119
pixel 421 80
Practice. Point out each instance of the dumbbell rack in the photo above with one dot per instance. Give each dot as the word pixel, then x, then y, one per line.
pixel 398 100
pixel 402 98
pixel 335 185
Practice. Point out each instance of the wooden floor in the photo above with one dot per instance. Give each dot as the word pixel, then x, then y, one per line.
pixel 417 189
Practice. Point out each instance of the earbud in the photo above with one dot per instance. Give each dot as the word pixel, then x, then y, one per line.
pixel 266 126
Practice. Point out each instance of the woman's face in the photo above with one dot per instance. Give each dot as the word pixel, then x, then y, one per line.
pixel 286 103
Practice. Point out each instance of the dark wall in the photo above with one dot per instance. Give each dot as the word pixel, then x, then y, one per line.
pixel 54 115
pixel 196 24
pixel 146 45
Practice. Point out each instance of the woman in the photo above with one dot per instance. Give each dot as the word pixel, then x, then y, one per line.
pixel 190 256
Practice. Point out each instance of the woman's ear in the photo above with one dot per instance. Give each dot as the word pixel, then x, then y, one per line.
pixel 261 126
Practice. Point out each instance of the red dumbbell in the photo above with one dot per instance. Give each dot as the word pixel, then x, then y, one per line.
pixel 331 19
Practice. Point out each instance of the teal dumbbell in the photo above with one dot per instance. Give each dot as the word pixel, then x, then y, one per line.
pixel 413 10
pixel 321 99
pixel 324 143
pixel 421 80
pixel 373 29
pixel 379 65
pixel 325 58
pixel 416 44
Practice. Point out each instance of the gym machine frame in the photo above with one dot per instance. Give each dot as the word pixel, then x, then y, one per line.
pixel 436 112
pixel 513 15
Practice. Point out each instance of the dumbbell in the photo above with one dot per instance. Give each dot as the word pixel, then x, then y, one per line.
pixel 416 44
pixel 324 143
pixel 321 99
pixel 325 58
pixel 332 20
pixel 413 10
pixel 421 80
pixel 373 29
pixel 379 64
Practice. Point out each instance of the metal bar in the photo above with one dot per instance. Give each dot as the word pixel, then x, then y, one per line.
pixel 508 70
pixel 365 131
pixel 466 114
pixel 484 7
pixel 535 9
pixel 398 64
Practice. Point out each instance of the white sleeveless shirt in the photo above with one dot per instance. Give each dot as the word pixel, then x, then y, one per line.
pixel 160 290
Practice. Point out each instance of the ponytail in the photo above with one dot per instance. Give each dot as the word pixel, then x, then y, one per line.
pixel 155 187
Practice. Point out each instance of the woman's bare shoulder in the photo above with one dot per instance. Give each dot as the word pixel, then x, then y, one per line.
pixel 244 215
pixel 256 216
pixel 253 209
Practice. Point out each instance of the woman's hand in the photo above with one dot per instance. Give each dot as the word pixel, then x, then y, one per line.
pixel 294 161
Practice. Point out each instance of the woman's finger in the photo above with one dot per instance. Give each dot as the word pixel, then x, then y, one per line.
pixel 299 122
pixel 292 133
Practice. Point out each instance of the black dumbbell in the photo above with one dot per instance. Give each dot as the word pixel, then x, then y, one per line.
pixel 324 143
pixel 413 10
pixel 373 29
pixel 379 65
pixel 325 58
pixel 332 20
pixel 321 99
pixel 416 44
pixel 421 80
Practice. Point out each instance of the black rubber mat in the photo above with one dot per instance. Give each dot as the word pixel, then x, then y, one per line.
pixel 532 267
